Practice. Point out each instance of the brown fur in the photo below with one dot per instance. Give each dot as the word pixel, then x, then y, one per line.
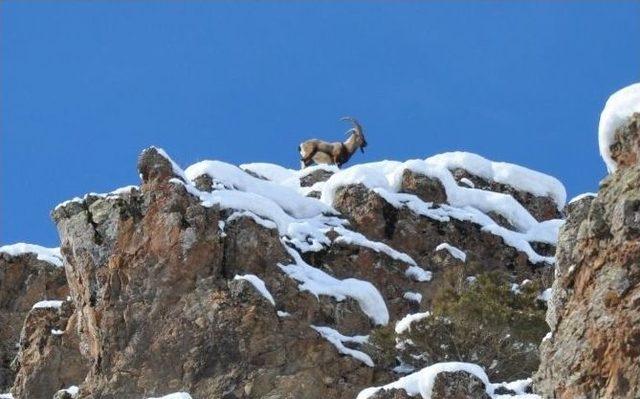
pixel 336 153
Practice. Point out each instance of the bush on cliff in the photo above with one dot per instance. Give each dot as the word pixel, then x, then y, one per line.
pixel 483 320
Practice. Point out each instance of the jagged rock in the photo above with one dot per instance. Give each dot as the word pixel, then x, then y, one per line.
pixel 418 236
pixel 458 385
pixel 151 275
pixel 314 177
pixel 24 280
pixel 594 313
pixel 426 188
pixel 158 309
pixel 625 150
pixel 541 208
pixel 49 356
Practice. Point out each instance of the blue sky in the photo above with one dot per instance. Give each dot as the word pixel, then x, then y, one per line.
pixel 85 86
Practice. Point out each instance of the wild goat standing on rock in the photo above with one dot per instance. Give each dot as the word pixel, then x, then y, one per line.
pixel 322 152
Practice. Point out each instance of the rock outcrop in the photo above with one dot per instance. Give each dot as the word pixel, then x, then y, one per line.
pixel 594 347
pixel 229 284
pixel 24 281
pixel 49 357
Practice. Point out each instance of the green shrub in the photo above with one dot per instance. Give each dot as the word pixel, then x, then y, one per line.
pixel 482 322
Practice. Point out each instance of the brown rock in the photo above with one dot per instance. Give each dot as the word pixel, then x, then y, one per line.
pixel 625 150
pixel 49 357
pixel 594 313
pixel 24 280
pixel 458 385
pixel 426 188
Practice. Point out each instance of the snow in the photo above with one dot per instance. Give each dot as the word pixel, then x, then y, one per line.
pixel 280 313
pixel 516 176
pixel 232 177
pixel 455 252
pixel 354 238
pixel 421 382
pixel 581 196
pixel 115 193
pixel 404 324
pixel 72 390
pixel 618 108
pixel 418 274
pixel 258 284
pixel 50 255
pixel 547 337
pixel 318 283
pixel 338 340
pixel 467 182
pixel 177 395
pixel 467 204
pixel 545 295
pixel 174 166
pixel 47 304
pixel 55 331
pixel 261 221
pixel 413 296
pixel 6 396
pixel 518 386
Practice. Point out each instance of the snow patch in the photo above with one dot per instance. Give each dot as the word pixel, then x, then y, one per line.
pixel 261 221
pixel 418 274
pixel 546 295
pixel 55 331
pixel 318 283
pixel 617 110
pixel 404 324
pixel 581 196
pixel 455 252
pixel 338 340
pixel 413 296
pixel 421 382
pixel 258 284
pixel 467 182
pixel 466 204
pixel 47 304
pixel 50 255
pixel 516 176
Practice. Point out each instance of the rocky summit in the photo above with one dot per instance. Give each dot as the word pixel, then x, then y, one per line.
pixel 435 278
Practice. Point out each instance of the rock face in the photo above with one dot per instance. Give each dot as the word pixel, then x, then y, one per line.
pixel 458 385
pixel 24 280
pixel 164 297
pixel 49 356
pixel 594 313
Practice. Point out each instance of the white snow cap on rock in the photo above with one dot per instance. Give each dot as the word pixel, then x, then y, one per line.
pixel 47 304
pixel 516 176
pixel 318 282
pixel 338 341
pixel 258 284
pixel 421 382
pixel 619 107
pixel 467 204
pixel 51 255
pixel 581 196
pixel 455 252
pixel 404 324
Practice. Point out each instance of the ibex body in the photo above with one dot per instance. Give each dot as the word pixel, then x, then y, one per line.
pixel 337 153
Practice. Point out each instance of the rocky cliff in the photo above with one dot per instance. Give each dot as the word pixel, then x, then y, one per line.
pixel 262 282
pixel 593 350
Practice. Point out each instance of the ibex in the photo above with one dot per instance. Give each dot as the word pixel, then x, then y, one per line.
pixel 322 152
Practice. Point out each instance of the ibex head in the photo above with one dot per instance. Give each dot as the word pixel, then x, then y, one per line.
pixel 357 131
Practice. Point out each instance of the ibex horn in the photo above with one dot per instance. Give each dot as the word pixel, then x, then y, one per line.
pixel 355 123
